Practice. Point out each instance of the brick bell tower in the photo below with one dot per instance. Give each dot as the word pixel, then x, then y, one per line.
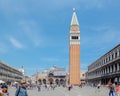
pixel 74 55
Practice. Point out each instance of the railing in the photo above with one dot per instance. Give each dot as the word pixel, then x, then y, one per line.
pixel 108 62
pixel 103 75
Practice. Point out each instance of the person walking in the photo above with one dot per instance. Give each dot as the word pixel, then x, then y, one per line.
pixel 21 91
pixel 117 90
pixel 39 87
pixel 111 89
pixel 53 86
pixel 98 86
pixel 69 87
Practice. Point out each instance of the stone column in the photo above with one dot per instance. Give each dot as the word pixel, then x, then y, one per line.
pixel 103 62
pixel 118 53
pixel 103 71
pixel 110 57
pixel 110 69
pixel 116 79
pixel 113 55
pixel 107 69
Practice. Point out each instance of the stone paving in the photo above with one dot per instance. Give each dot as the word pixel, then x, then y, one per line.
pixel 60 91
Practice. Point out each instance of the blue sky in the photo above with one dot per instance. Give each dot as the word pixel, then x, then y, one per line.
pixel 35 33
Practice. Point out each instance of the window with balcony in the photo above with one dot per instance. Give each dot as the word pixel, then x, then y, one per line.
pixel 106 59
pixel 109 58
pixel 112 68
pixel 112 56
pixel 115 54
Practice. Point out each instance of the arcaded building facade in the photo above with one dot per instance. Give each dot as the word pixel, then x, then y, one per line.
pixel 55 75
pixel 9 74
pixel 74 55
pixel 106 68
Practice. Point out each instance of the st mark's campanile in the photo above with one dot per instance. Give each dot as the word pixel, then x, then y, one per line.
pixel 74 49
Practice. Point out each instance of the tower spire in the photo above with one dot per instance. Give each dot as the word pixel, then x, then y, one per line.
pixel 74 20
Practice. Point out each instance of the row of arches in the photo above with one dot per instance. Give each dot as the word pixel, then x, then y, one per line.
pixel 51 81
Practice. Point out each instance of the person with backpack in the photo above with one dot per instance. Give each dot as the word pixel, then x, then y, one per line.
pixel 21 90
pixel 111 89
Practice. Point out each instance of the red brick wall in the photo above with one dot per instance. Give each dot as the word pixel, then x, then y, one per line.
pixel 75 64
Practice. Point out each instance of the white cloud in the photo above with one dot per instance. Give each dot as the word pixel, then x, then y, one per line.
pixel 15 43
pixel 30 29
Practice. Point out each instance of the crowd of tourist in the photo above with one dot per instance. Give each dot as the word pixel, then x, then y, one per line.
pixel 114 88
pixel 22 87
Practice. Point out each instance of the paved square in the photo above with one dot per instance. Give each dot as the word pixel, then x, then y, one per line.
pixel 61 91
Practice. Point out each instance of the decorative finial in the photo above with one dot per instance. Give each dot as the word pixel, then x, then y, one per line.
pixel 74 9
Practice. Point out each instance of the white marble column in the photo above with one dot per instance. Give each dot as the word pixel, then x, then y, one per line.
pixel 105 60
pixel 118 67
pixel 110 68
pixel 116 79
pixel 118 53
pixel 110 57
pixel 107 69
pixel 113 55
pixel 103 71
